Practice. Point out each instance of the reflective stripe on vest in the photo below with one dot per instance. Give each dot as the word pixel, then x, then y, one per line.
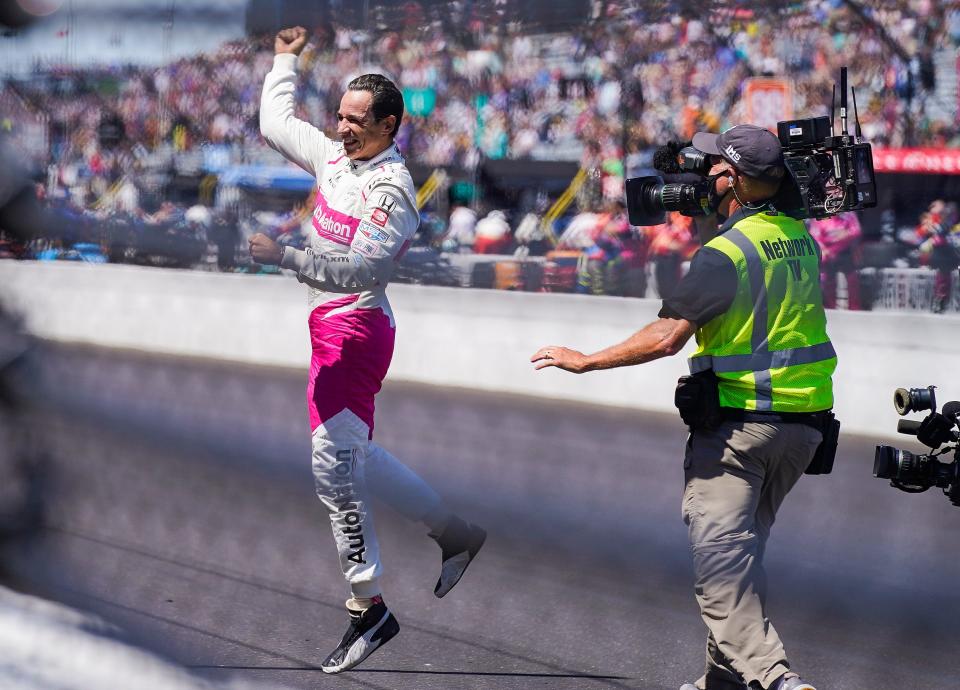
pixel 761 359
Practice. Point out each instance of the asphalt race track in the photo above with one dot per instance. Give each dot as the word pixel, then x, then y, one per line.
pixel 179 505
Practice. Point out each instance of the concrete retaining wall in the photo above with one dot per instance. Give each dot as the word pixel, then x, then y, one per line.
pixel 452 337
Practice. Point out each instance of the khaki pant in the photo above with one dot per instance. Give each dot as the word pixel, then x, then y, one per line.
pixel 736 478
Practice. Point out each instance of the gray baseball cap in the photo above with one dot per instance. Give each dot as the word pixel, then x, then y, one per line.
pixel 754 151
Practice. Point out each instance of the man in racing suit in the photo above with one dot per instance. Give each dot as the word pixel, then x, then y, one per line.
pixel 365 218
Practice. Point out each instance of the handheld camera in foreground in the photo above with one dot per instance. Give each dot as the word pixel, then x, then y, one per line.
pixel 915 473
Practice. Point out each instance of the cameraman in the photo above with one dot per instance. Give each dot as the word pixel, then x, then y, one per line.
pixel 762 380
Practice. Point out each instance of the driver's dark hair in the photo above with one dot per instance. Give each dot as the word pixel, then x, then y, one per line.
pixel 387 99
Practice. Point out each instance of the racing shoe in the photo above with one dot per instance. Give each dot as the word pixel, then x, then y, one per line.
pixel 369 630
pixel 459 543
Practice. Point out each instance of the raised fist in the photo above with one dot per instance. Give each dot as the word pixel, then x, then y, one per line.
pixel 290 40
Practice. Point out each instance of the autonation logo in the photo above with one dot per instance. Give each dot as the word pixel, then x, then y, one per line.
pixel 331 226
pixel 334 226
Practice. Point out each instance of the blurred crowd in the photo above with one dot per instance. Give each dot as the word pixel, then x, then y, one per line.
pixel 937 241
pixel 173 236
pixel 599 252
pixel 480 83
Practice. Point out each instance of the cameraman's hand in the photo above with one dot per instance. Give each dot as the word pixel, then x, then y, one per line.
pixel 560 357
pixel 290 40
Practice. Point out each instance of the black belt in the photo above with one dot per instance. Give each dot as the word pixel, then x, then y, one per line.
pixel 814 419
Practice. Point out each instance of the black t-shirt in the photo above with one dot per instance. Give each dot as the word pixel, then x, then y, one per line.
pixel 706 291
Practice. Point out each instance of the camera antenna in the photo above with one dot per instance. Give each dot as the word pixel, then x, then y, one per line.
pixel 843 101
pixel 833 109
pixel 856 117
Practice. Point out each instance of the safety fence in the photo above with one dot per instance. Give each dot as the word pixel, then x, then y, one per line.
pixel 913 289
pixel 881 289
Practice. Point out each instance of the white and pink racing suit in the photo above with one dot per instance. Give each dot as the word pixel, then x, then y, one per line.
pixel 365 218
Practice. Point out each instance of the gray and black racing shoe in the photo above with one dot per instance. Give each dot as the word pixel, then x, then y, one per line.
pixel 459 543
pixel 369 630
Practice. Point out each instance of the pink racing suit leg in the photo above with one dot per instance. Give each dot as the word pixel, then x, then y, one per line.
pixel 351 354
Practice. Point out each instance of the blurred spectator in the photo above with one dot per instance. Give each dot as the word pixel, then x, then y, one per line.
pixel 633 260
pixel 493 234
pixel 611 262
pixel 225 234
pixel 579 231
pixel 529 236
pixel 671 243
pixel 460 230
pixel 839 240
pixel 198 219
pixel 939 237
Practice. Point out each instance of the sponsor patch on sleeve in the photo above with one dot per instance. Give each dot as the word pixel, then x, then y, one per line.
pixel 387 203
pixel 367 249
pixel 380 217
pixel 372 232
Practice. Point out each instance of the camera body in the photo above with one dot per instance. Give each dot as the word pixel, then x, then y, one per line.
pixel 827 174
pixel 915 473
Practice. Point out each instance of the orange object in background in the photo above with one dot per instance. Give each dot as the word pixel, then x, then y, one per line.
pixel 768 101
pixel 508 275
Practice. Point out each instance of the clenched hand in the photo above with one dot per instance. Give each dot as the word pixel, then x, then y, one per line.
pixel 290 40
pixel 263 250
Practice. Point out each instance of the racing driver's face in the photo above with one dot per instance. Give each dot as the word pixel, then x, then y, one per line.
pixel 362 135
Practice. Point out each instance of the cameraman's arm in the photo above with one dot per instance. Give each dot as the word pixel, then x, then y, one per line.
pixel 706 291
pixel 663 337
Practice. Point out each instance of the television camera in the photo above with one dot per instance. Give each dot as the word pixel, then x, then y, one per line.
pixel 938 430
pixel 827 173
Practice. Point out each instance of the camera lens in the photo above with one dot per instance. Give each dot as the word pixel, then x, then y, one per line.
pixel 885 462
pixel 673 196
pixel 644 204
pixel 648 199
pixel 903 466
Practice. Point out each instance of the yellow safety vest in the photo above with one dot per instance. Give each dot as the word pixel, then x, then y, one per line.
pixel 770 350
